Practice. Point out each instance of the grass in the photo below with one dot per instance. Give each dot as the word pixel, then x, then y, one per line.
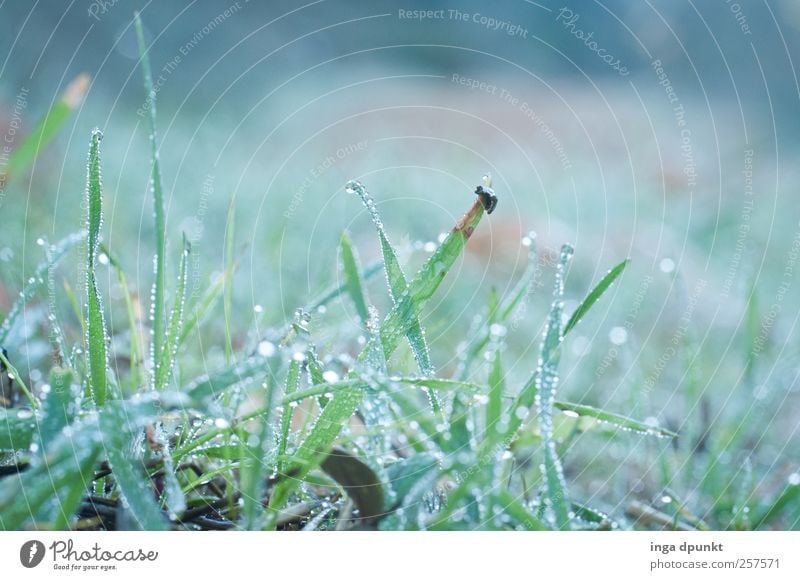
pixel 282 437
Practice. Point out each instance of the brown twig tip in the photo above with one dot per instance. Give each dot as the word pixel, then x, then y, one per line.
pixel 487 198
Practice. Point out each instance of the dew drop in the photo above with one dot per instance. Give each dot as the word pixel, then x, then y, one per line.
pixel 618 335
pixel 667 265
pixel 266 348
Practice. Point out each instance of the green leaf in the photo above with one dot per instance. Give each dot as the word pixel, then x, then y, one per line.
pixel 59 408
pixel 170 346
pixel 25 153
pixel 620 421
pixel 405 474
pixel 158 201
pixel 17 428
pixel 96 333
pixel 38 281
pixel 358 480
pixel 595 294
pixel 49 491
pixel 546 385
pixel 352 277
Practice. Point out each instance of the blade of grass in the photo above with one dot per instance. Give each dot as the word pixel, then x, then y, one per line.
pixel 352 277
pixel 59 408
pixel 136 340
pixel 595 294
pixel 12 370
pixel 38 280
pixel 96 333
pixel 546 385
pixel 397 282
pixel 292 384
pixel 17 429
pixel 159 261
pixel 786 501
pixel 55 482
pixel 621 421
pixel 171 344
pixel 26 153
pixel 339 410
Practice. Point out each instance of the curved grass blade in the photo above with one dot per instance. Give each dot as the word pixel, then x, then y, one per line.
pixel 96 333
pixel 159 261
pixel 595 294
pixel 396 281
pixel 352 277
pixel 26 153
pixel 615 419
pixel 38 280
pixel 338 411
pixel 171 341
pixel 547 380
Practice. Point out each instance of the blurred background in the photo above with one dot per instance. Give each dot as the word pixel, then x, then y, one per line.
pixel 662 131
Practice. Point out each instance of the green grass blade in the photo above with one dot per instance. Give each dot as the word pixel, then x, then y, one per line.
pixel 494 407
pixel 787 500
pixel 137 377
pixel 546 385
pixel 17 429
pixel 338 411
pixel 352 277
pixel 96 332
pixel 129 472
pixel 159 262
pixel 315 446
pixel 595 294
pixel 292 384
pixel 171 344
pixel 396 281
pixel 518 513
pixel 48 492
pixel 434 384
pixel 59 407
pixel 215 384
pixel 615 419
pixel 38 281
pixel 37 140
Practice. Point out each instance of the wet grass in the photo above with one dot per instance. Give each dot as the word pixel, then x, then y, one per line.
pixel 289 434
